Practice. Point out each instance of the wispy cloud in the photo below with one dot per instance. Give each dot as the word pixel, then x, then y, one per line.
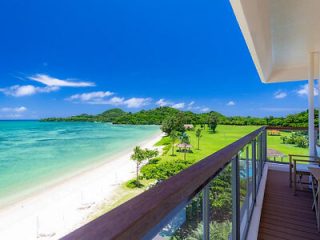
pixel 51 81
pixel 51 84
pixel 26 90
pixel 90 96
pixel 102 98
pixel 205 109
pixel 231 103
pixel 280 94
pixel 137 102
pixel 129 103
pixel 304 90
pixel 162 102
pixel 178 105
pixel 14 110
pixel 191 105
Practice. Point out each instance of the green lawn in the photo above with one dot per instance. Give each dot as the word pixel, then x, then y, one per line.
pixel 209 142
pixel 225 135
pixel 274 142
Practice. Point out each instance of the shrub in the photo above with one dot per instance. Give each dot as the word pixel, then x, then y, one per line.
pixel 164 169
pixel 154 160
pixel 284 139
pixel 133 183
pixel 297 138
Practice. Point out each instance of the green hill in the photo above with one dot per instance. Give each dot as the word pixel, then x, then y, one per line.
pixel 157 115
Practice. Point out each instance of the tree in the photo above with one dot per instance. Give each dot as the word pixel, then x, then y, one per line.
pixel 173 137
pixel 138 156
pixel 198 135
pixel 150 154
pixel 171 123
pixel 213 122
pixel 184 139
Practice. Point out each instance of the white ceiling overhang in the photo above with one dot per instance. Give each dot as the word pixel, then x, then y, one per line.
pixel 280 34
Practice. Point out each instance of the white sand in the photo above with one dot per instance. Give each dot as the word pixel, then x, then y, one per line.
pixel 58 210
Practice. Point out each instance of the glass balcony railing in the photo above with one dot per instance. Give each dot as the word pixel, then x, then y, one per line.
pixel 213 199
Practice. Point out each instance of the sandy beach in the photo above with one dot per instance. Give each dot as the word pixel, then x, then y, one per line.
pixel 65 206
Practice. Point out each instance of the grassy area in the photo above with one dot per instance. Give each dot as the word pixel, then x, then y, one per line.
pixel 209 142
pixel 274 142
pixel 225 135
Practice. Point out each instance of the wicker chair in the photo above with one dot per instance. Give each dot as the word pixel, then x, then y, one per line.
pixel 298 167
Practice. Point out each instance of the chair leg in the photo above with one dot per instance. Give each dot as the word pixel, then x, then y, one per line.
pixel 294 179
pixel 290 172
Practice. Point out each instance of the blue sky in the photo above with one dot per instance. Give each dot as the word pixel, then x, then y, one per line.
pixel 60 58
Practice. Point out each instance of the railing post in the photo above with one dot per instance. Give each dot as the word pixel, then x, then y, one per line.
pixel 265 146
pixel 205 213
pixel 254 170
pixel 261 155
pixel 235 198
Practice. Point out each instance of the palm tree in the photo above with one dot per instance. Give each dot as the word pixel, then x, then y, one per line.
pixel 150 153
pixel 184 139
pixel 138 156
pixel 198 135
pixel 174 137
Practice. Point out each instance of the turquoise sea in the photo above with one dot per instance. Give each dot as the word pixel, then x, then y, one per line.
pixel 34 154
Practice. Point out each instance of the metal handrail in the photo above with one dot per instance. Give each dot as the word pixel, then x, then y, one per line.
pixel 136 217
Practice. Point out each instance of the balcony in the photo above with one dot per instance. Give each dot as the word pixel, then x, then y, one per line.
pixel 284 215
pixel 185 206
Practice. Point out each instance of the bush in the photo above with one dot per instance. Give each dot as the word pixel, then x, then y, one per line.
pixel 297 138
pixel 164 169
pixel 133 183
pixel 154 160
pixel 284 139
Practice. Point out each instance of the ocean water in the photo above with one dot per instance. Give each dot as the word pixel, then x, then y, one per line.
pixel 33 153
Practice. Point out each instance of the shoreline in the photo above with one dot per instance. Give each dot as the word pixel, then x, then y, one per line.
pixel 64 206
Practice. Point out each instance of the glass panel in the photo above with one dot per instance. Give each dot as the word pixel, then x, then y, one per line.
pixel 257 163
pixel 245 192
pixel 186 223
pixel 220 211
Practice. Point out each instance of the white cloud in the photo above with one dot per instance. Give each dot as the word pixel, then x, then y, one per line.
pixel 137 102
pixel 51 84
pixel 120 101
pixel 162 102
pixel 303 91
pixel 50 81
pixel 205 109
pixel 191 103
pixel 280 94
pixel 231 103
pixel 116 101
pixel 26 90
pixel 15 110
pixel 178 105
pixel 90 96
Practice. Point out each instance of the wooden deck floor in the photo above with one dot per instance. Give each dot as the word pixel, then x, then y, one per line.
pixel 285 216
